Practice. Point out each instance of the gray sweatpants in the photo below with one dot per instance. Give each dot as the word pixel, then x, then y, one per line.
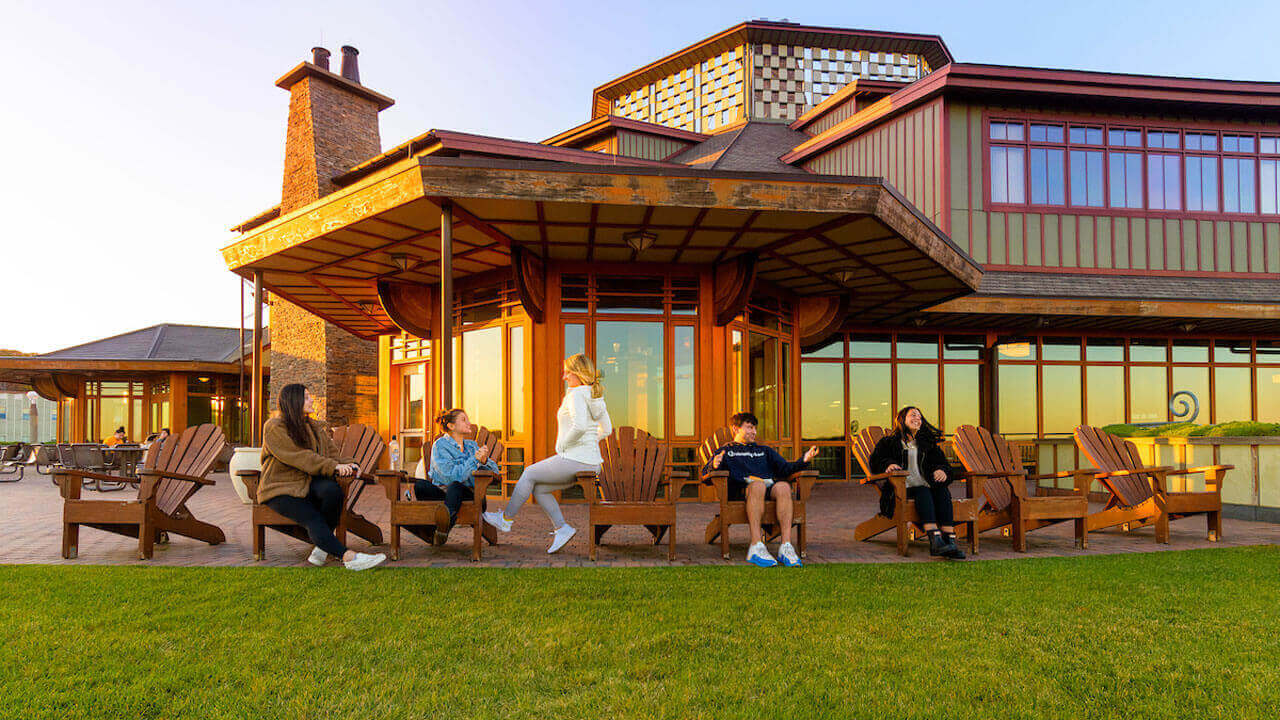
pixel 540 480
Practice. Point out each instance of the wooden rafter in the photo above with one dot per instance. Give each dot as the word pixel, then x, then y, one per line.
pixel 737 236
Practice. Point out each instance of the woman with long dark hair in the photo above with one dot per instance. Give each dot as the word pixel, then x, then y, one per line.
pixel 299 461
pixel 913 446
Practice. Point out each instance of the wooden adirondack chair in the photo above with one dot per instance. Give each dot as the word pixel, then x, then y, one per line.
pixel 1140 494
pixel 175 472
pixel 996 465
pixel 626 490
pixel 734 512
pixel 905 520
pixel 422 517
pixel 356 443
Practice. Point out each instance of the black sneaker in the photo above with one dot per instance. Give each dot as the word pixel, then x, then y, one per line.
pixel 937 546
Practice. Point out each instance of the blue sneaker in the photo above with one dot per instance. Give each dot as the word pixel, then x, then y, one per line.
pixel 788 556
pixel 759 556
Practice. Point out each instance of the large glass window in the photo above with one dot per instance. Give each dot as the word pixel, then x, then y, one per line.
pixel 1148 394
pixel 630 356
pixel 1018 399
pixel 1268 384
pixel 1126 179
pixel 1202 184
pixel 1047 176
pixel 1238 185
pixel 870 396
pixel 517 397
pixel 762 382
pixel 1007 182
pixel 1104 399
pixel 1232 396
pixel 822 397
pixel 1163 184
pixel 1086 178
pixel 1062 398
pixel 685 379
pixel 481 372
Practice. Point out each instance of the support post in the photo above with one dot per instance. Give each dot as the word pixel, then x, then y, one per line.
pixel 34 416
pixel 255 382
pixel 446 305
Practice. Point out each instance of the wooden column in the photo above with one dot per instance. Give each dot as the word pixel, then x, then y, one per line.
pixel 988 392
pixel 445 361
pixel 177 403
pixel 256 415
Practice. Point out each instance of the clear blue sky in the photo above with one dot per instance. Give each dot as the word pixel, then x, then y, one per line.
pixel 134 134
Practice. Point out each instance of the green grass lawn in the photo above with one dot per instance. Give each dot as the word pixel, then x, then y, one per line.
pixel 1175 634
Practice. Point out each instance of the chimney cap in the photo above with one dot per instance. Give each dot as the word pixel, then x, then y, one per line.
pixel 320 57
pixel 305 69
pixel 350 64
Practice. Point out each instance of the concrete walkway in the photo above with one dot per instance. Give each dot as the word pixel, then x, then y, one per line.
pixel 30 523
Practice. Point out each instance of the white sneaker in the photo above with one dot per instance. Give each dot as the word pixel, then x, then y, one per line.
pixel 759 556
pixel 562 536
pixel 363 562
pixel 787 554
pixel 318 557
pixel 496 519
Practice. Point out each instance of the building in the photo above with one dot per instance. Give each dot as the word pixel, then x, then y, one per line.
pixel 162 376
pixel 816 224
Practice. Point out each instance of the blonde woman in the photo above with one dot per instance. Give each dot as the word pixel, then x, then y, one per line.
pixel 583 420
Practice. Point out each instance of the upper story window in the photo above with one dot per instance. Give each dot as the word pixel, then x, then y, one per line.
pixel 1130 168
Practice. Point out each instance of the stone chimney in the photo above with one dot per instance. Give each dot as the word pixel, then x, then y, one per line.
pixel 332 126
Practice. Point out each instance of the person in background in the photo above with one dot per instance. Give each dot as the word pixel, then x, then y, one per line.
pixel 756 471
pixel 299 461
pixel 116 438
pixel 454 457
pixel 582 420
pixel 912 445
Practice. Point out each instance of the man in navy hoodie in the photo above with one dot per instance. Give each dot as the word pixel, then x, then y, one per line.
pixel 756 471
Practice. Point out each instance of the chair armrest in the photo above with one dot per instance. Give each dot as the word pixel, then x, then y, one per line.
pixel 803 482
pixel 589 482
pixel 675 482
pixel 1202 469
pixel 984 475
pixel 173 476
pixel 481 480
pixel 890 475
pixel 69 482
pixel 390 481
pixel 1160 470
pixel 720 480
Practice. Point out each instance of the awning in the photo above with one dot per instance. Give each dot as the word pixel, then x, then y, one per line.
pixel 855 239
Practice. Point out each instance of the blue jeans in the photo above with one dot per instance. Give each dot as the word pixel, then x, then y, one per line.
pixel 933 504
pixel 453 496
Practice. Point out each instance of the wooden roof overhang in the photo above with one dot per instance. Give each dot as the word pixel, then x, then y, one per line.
pixel 1005 313
pixel 55 378
pixel 853 245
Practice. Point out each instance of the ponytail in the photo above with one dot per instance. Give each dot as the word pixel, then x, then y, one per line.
pixel 582 367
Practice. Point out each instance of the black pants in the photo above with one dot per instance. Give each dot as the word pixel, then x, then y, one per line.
pixel 933 504
pixel 318 512
pixel 453 496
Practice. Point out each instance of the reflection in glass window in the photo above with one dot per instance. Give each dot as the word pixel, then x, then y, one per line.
pixel 1104 350
pixel 1268 394
pixel 1062 398
pixel 1232 398
pixel 685 390
pixel 1086 136
pixel 630 355
pixel 482 377
pixel 1194 380
pixel 869 346
pixel 762 382
pixel 1202 141
pixel 515 374
pixel 1126 179
pixel 1125 138
pixel 1271 187
pixel 1059 348
pixel 918 386
pixel 1017 412
pixel 1163 184
pixel 1086 178
pixel 414 389
pixel 917 347
pixel 869 396
pixel 1046 133
pixel 822 400
pixel 1166 140
pixel 1007 182
pixel 832 347
pixel 1047 176
pixel 1190 351
pixel 575 339
pixel 1237 185
pixel 960 401
pixel 1144 350
pixel 1105 395
pixel 1231 351
pixel 1202 183
pixel 1148 394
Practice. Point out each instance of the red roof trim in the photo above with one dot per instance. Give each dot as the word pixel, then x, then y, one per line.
pixel 605 123
pixel 846 93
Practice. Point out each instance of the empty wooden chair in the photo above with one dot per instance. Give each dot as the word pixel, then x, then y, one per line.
pixel 1140 494
pixel 422 517
pixel 734 512
pixel 904 520
pixel 626 491
pixel 178 470
pixel 996 465
pixel 356 443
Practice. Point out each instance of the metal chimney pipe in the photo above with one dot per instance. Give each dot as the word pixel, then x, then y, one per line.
pixel 320 57
pixel 350 70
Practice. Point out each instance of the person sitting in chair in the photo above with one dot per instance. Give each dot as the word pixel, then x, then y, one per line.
pixel 756 471
pixel 116 438
pixel 912 445
pixel 453 458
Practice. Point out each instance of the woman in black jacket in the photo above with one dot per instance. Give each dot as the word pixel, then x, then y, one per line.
pixel 913 446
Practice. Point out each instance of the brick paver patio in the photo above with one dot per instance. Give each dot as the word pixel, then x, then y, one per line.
pixel 30 524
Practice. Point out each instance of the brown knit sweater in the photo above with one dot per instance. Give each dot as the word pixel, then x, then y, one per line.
pixel 287 468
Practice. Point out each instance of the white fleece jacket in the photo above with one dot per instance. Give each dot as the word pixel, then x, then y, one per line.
pixel 582 421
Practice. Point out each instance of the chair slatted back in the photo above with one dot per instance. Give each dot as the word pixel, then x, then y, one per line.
pixel 864 443
pixel 634 462
pixel 1109 453
pixel 981 452
pixel 191 453
pixel 88 456
pixel 10 453
pixel 717 440
pixel 364 446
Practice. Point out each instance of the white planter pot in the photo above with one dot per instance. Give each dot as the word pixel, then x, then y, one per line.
pixel 244 458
